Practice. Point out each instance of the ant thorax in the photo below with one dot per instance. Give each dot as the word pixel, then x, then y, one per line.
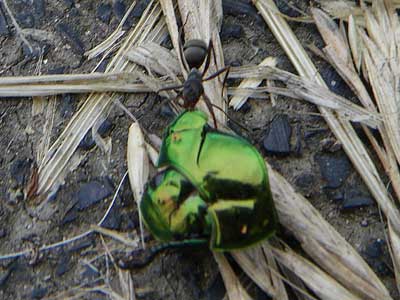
pixel 192 88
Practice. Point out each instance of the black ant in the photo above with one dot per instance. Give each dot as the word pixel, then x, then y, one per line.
pixel 193 54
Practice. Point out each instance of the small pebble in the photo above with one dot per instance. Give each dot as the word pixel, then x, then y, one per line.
pixel 334 168
pixel 357 201
pixel 364 223
pixel 234 31
pixel 63 265
pixel 104 12
pixel 113 220
pixel 39 293
pixel 91 193
pixel 277 139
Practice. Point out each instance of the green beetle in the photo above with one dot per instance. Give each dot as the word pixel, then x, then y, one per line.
pixel 213 186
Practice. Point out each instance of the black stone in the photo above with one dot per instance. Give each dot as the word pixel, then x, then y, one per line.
pixel 91 193
pixel 39 293
pixel 72 38
pixel 239 7
pixel 351 202
pixel 88 142
pixel 104 12
pixel 119 9
pixel 334 169
pixel 114 220
pixel 4 31
pixel 3 233
pixel 63 265
pixel 139 8
pixel 20 171
pixel 277 139
pixel 234 31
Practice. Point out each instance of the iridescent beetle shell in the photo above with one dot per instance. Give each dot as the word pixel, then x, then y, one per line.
pixel 213 185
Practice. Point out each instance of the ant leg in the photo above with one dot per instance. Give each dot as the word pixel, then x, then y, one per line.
pixel 216 73
pixel 230 119
pixel 224 82
pixel 210 109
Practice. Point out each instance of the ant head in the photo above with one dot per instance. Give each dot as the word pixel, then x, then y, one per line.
pixel 195 52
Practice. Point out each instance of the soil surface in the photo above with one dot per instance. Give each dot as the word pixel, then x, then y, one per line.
pixel 307 154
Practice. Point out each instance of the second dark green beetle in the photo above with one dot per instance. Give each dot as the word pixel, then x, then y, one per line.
pixel 212 186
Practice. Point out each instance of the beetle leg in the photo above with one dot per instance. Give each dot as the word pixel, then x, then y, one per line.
pixel 210 109
pixel 136 262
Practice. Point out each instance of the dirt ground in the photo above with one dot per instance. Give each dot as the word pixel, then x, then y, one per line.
pixel 77 26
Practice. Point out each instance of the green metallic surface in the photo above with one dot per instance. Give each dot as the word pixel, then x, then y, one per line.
pixel 230 199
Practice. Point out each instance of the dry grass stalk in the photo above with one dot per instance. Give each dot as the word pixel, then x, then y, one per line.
pixel 257 262
pixel 322 242
pixel 237 101
pixel 319 282
pixel 360 158
pixel 97 104
pixel 379 59
pixel 110 41
pixel 233 287
pixel 138 167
